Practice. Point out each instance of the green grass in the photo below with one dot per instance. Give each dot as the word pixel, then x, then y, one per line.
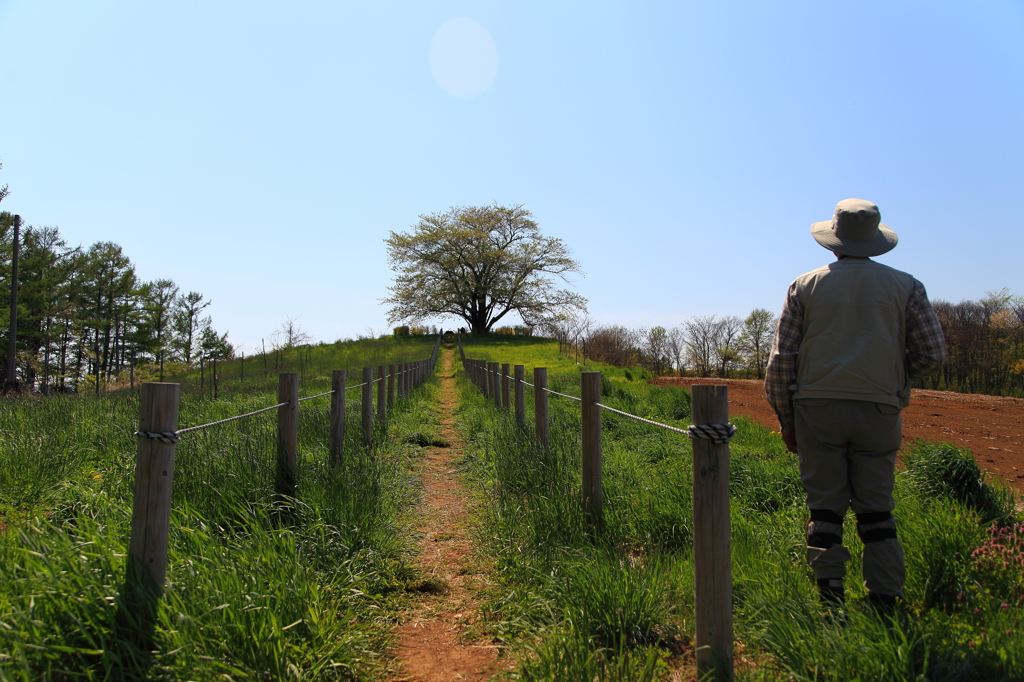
pixel 247 596
pixel 618 604
pixel 251 598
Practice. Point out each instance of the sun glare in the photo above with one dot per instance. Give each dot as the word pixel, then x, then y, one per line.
pixel 463 57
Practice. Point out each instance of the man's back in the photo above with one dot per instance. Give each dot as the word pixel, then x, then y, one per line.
pixel 854 332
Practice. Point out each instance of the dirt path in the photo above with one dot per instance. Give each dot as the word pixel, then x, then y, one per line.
pixel 435 643
pixel 992 427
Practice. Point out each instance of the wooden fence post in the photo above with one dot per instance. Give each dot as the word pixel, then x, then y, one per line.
pixel 336 435
pixel 520 397
pixel 489 368
pixel 593 495
pixel 540 406
pixel 154 478
pixel 712 566
pixel 287 432
pixel 367 405
pixel 505 401
pixel 382 394
pixel 496 383
pixel 391 387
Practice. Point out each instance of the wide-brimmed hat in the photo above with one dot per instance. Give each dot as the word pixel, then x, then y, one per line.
pixel 855 230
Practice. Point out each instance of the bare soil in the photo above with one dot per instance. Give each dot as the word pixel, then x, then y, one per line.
pixel 437 641
pixel 992 427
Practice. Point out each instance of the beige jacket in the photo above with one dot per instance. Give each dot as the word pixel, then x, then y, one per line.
pixel 854 340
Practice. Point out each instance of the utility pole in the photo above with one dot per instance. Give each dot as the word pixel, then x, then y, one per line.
pixel 11 382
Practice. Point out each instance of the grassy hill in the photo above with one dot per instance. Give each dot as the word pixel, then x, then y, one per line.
pixel 314 598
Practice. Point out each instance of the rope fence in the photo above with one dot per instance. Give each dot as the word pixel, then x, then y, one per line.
pixel 158 435
pixel 710 433
pixel 563 395
pixel 719 433
pixel 314 397
pixel 174 436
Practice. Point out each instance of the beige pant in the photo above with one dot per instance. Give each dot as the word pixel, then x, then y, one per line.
pixel 847 451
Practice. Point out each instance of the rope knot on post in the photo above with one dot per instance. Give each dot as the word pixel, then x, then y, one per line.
pixel 162 436
pixel 719 433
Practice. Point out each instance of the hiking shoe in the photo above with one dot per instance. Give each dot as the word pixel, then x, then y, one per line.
pixel 831 592
pixel 883 604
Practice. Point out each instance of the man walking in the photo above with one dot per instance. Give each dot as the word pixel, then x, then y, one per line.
pixel 850 337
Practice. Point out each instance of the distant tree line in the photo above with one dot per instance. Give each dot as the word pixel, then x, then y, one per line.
pixel 985 340
pixel 87 322
pixel 986 345
pixel 704 345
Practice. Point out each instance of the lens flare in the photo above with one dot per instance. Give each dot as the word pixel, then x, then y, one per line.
pixel 463 57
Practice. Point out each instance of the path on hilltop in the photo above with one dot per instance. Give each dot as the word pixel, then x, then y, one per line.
pixel 435 641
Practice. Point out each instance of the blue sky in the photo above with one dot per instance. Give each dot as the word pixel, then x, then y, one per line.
pixel 260 152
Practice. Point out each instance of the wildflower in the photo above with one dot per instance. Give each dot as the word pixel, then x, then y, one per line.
pixel 97 476
pixel 1004 606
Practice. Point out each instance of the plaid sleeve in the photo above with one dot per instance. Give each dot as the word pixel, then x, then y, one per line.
pixel 926 344
pixel 781 373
